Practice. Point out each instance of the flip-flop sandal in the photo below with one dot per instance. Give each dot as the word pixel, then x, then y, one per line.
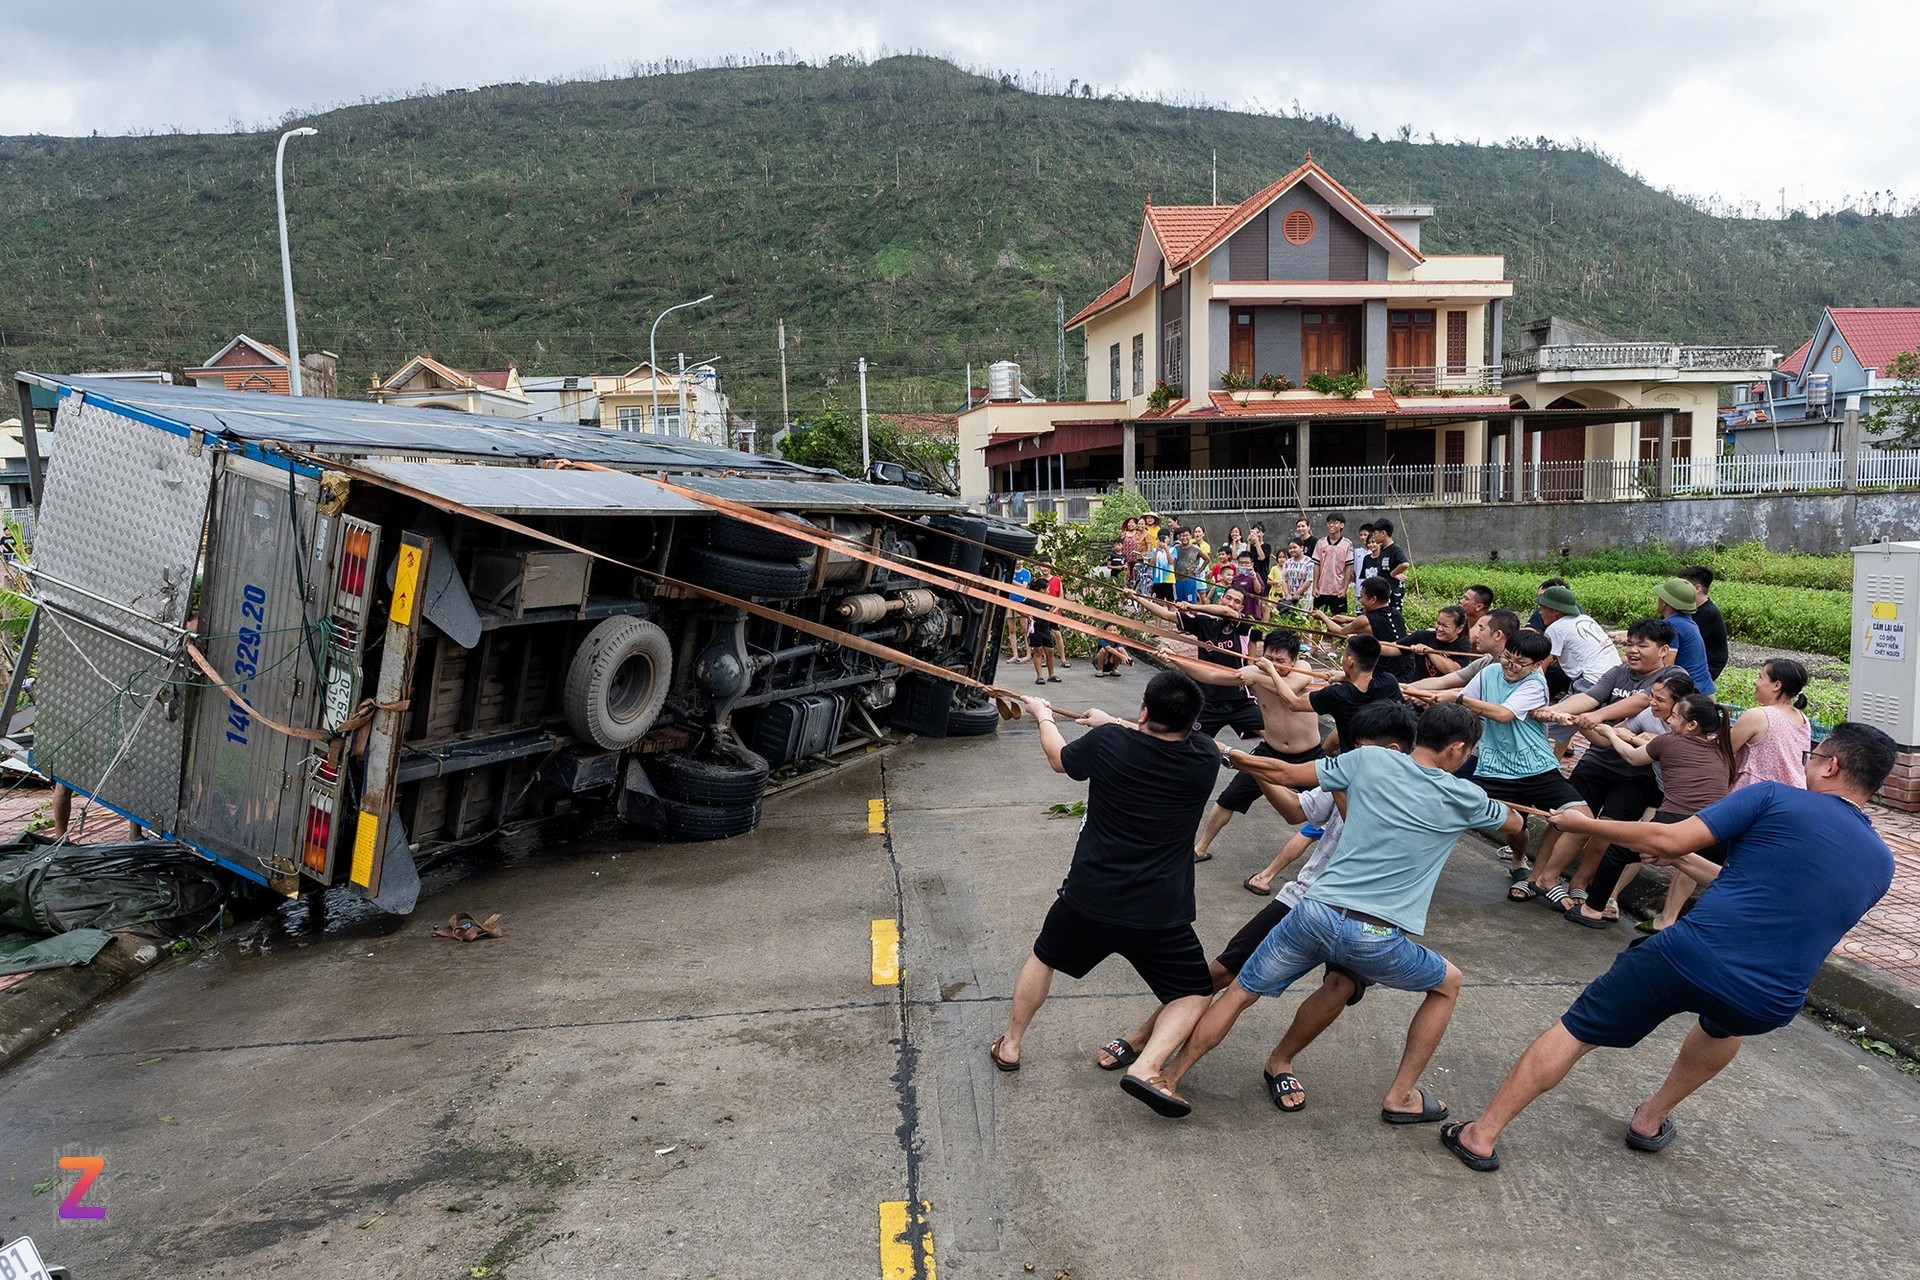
pixel 1285 1084
pixel 1160 1099
pixel 1203 857
pixel 1524 891
pixel 1518 873
pixel 1122 1053
pixel 993 1051
pixel 1557 898
pixel 1657 1142
pixel 1053 679
pixel 1251 887
pixel 1613 909
pixel 1574 915
pixel 1429 1112
pixel 1450 1139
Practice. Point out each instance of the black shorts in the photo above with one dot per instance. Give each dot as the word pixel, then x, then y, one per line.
pixel 1611 794
pixel 1163 591
pixel 1239 794
pixel 1549 790
pixel 1642 990
pixel 1242 713
pixel 1041 637
pixel 1170 961
pixel 1336 604
pixel 1255 931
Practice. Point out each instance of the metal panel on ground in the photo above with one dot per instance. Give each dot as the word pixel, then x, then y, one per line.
pixel 245 785
pixel 120 523
pixel 818 495
pixel 533 491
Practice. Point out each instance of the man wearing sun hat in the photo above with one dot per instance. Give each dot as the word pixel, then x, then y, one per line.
pixel 1677 600
pixel 1580 645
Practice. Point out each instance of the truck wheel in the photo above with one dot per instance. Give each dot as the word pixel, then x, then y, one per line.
pixel 972 722
pixel 683 821
pixel 733 776
pixel 729 534
pixel 1016 540
pixel 739 575
pixel 618 682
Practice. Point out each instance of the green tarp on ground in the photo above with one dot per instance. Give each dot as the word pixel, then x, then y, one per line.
pixel 58 902
pixel 22 954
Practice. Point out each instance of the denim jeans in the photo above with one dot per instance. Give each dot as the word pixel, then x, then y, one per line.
pixel 1314 934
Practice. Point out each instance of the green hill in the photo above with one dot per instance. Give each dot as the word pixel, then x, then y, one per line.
pixel 907 210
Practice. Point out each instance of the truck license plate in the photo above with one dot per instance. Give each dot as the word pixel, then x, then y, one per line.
pixel 21 1261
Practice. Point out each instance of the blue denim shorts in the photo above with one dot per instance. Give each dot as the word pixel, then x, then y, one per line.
pixel 1314 934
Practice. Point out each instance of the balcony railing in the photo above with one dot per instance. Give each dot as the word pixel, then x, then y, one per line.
pixel 1069 504
pixel 1579 357
pixel 1595 480
pixel 1417 378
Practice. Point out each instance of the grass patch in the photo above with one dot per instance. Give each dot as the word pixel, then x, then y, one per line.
pixel 1749 563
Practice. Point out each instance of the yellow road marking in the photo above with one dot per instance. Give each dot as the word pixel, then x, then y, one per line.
pixel 876 817
pixel 886 953
pixel 896 1245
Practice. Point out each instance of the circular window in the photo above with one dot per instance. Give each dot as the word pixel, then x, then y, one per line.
pixel 1297 226
pixel 1836 353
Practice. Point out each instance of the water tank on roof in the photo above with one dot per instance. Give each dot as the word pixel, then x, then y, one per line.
pixel 1003 380
pixel 1819 394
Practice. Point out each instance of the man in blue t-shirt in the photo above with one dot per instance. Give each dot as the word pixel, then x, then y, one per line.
pixel 1405 813
pixel 1802 867
pixel 1677 600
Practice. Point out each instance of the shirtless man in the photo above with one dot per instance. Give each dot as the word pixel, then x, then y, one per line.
pixel 1287 734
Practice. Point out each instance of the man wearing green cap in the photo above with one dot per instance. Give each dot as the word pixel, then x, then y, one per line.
pixel 1677 600
pixel 1580 645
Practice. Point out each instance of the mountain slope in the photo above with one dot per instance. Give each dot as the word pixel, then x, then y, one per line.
pixel 906 210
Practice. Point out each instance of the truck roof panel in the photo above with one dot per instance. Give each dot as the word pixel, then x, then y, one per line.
pixel 533 491
pixel 816 495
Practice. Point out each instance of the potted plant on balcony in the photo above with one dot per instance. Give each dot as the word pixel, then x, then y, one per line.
pixel 1275 382
pixel 1231 381
pixel 1160 397
pixel 1344 385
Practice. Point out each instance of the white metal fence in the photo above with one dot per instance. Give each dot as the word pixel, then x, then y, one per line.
pixel 1596 480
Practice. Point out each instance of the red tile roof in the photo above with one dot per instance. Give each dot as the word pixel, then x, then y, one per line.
pixel 1795 362
pixel 1179 227
pixel 1116 292
pixel 1877 334
pixel 1249 208
pixel 924 424
pixel 495 379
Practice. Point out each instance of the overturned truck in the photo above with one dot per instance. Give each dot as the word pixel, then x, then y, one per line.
pixel 312 639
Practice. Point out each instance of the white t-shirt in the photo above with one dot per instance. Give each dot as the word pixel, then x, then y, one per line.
pixel 1322 812
pixel 1583 648
pixel 1360 555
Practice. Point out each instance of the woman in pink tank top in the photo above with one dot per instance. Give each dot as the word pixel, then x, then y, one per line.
pixel 1770 741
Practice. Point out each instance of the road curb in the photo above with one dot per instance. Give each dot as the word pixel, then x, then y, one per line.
pixel 40 1007
pixel 1850 992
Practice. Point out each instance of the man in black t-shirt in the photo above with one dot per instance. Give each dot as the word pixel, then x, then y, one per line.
pixel 1713 627
pixel 1448 634
pixel 1387 560
pixel 1379 619
pixel 1223 626
pixel 1129 889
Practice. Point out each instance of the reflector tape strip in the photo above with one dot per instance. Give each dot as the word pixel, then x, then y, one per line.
pixel 365 836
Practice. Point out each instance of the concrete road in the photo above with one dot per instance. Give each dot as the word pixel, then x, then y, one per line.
pixel 678 1063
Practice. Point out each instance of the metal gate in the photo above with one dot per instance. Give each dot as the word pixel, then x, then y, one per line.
pixel 119 536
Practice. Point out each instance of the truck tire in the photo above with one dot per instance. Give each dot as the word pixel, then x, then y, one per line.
pixel 1015 540
pixel 732 776
pixel 618 682
pixel 972 722
pixel 739 575
pixel 682 821
pixel 729 534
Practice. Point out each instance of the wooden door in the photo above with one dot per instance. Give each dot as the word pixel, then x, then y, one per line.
pixel 1326 342
pixel 1410 345
pixel 1240 342
pixel 1456 462
pixel 1563 453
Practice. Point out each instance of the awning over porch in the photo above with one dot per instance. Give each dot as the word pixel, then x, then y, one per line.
pixel 1066 437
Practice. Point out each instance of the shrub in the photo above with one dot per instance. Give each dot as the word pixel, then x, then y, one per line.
pixel 1747 562
pixel 1790 617
pixel 1231 381
pixel 1275 382
pixel 1345 385
pixel 1161 396
pixel 1826 699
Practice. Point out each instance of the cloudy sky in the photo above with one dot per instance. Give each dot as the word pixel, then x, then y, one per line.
pixel 1733 99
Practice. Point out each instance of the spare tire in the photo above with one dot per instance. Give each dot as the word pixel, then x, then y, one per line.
pixel 729 534
pixel 617 682
pixel 684 821
pixel 732 776
pixel 1014 539
pixel 739 575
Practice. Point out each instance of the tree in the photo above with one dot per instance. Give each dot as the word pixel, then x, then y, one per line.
pixel 1895 420
pixel 831 438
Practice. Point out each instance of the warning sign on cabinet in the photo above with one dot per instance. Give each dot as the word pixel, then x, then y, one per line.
pixel 1886 638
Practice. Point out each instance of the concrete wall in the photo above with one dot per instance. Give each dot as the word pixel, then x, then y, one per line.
pixel 1819 524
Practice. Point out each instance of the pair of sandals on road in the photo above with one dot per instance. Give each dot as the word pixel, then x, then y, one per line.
pixel 1450 1139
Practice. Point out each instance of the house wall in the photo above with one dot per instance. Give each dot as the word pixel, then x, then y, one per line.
pixel 1247 251
pixel 978 424
pixel 1119 324
pixel 1286 261
pixel 1276 341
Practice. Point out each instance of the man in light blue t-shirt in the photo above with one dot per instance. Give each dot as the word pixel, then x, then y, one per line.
pixel 1404 815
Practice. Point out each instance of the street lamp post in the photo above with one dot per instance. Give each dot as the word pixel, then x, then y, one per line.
pixel 653 351
pixel 286 260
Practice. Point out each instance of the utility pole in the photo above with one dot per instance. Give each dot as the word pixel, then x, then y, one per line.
pixel 866 449
pixel 969 384
pixel 685 430
pixel 1216 176
pixel 1060 358
pixel 286 263
pixel 786 416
